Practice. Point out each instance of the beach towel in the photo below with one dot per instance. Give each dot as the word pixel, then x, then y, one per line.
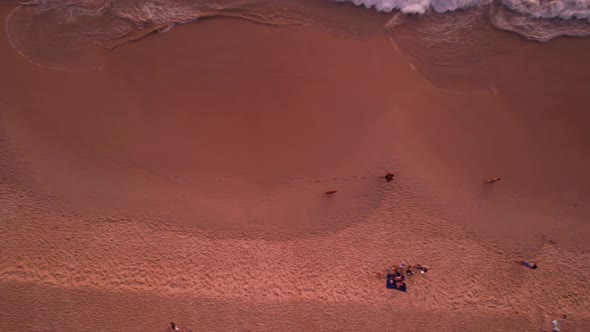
pixel 391 284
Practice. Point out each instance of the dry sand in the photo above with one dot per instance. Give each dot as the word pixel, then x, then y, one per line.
pixel 184 182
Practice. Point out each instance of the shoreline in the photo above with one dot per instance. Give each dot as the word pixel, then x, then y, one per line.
pixel 131 157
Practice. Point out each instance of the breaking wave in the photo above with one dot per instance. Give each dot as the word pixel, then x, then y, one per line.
pixel 563 9
pixel 70 34
pixel 540 20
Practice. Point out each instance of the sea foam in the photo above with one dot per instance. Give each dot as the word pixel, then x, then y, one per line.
pixel 563 9
pixel 64 33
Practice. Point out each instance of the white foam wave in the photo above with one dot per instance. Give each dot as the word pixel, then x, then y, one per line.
pixel 417 6
pixel 563 9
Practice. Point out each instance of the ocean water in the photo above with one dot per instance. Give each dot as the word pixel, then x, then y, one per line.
pixel 65 34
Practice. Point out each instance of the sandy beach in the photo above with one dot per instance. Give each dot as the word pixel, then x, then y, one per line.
pixel 185 181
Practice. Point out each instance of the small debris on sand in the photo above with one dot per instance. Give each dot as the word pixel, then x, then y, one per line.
pixel 389 176
pixel 491 180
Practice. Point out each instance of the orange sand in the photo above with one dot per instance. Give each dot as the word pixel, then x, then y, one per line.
pixel 185 182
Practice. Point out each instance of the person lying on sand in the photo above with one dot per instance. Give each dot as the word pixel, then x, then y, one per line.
pixel 530 265
pixel 389 176
pixel 491 180
pixel 422 268
pixel 174 327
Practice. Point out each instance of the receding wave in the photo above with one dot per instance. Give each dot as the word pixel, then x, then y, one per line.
pixel 71 35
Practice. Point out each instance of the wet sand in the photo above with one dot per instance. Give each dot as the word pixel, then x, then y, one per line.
pixel 185 182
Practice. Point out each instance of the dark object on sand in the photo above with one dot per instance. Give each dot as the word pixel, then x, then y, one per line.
pixel 389 177
pixel 173 326
pixel 330 192
pixel 391 283
pixel 422 268
pixel 409 272
pixel 530 265
pixel 491 180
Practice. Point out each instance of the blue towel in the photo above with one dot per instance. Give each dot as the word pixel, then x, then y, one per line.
pixel 391 284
